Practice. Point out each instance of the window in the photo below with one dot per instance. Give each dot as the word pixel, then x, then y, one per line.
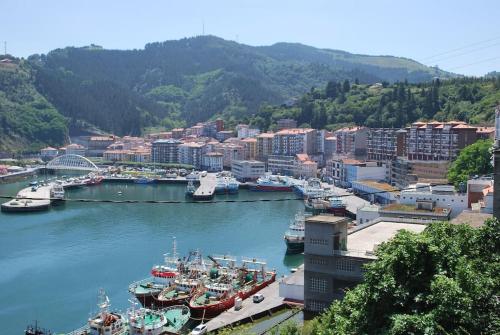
pixel 316 306
pixel 317 285
pixel 344 264
pixel 318 241
pixel 318 261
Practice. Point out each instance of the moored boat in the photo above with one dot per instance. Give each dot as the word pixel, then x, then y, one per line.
pixel 295 235
pixel 146 290
pixel 168 320
pixel 104 322
pixel 144 180
pixel 190 189
pixel 272 183
pixel 57 193
pixel 93 179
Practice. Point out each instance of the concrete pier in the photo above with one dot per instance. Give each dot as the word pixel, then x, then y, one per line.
pixel 206 190
pixel 29 200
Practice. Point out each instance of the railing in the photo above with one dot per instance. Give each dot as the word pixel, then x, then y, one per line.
pixel 140 282
pixel 80 331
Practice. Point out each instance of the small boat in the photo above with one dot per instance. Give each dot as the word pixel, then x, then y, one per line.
pixel 295 235
pixel 226 184
pixel 104 322
pixel 168 320
pixel 36 330
pixel 34 183
pixel 119 192
pixel 334 205
pixel 144 180
pixel 190 189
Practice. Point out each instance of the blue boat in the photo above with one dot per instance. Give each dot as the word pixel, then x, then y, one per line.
pixel 144 180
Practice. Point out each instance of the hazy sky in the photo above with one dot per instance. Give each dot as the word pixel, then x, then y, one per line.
pixel 429 31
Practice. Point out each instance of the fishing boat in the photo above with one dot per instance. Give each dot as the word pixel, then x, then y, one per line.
pixel 312 189
pixel 295 235
pixel 190 189
pixel 226 184
pixel 272 183
pixel 146 290
pixel 144 180
pixel 254 277
pixel 168 320
pixel 193 272
pixel 226 284
pixel 36 330
pixel 334 205
pixel 104 322
pixel 33 183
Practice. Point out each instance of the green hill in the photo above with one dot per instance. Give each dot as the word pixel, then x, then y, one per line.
pixel 194 79
pixel 27 120
pixel 389 105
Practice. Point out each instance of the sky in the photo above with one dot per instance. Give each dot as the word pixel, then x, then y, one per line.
pixel 459 36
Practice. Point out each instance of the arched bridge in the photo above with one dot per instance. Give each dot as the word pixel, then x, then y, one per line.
pixel 71 162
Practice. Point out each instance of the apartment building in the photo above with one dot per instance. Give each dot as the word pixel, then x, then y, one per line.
pixel 438 141
pixel 191 154
pixel 344 171
pixel 230 152
pixel 213 161
pixel 294 141
pixel 249 148
pixel 352 141
pixel 165 151
pixel 264 146
pixel 385 144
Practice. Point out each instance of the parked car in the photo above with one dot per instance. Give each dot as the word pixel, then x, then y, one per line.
pixel 199 329
pixel 258 297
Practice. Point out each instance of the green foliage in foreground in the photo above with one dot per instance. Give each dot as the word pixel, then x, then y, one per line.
pixel 445 280
pixel 474 159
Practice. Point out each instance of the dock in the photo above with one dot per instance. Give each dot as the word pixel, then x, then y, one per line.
pixel 206 190
pixel 29 200
pixel 272 301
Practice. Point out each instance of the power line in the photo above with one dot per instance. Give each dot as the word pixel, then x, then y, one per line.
pixel 460 48
pixel 464 53
pixel 474 63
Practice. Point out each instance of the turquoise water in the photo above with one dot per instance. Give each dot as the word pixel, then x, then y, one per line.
pixel 53 263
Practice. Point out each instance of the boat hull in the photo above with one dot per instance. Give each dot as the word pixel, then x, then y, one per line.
pixel 294 247
pixel 265 188
pixel 211 310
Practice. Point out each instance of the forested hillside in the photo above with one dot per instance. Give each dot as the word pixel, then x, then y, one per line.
pixel 27 119
pixel 389 105
pixel 190 80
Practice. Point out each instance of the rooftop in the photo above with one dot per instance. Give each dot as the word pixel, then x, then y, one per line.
pixel 378 185
pixel 412 209
pixel 349 129
pixel 473 219
pixel 366 239
pixel 266 135
pixel 325 218
pixel 294 131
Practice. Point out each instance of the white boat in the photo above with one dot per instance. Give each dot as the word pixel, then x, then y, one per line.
pixel 57 192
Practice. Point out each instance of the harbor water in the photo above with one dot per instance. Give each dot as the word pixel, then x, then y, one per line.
pixel 53 263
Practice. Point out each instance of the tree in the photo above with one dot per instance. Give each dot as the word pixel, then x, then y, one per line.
pixel 445 280
pixel 474 159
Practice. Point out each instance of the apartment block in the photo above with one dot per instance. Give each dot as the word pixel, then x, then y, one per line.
pixel 286 124
pixel 385 144
pixel 294 141
pixel 352 141
pixel 165 151
pixel 191 154
pixel 438 141
pixel 264 146
pixel 248 170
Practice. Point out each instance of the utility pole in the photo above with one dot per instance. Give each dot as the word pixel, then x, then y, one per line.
pixel 5 48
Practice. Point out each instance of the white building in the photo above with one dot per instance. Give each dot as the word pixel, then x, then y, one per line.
pixel 291 288
pixel 248 170
pixel 75 149
pixel 443 196
pixel 244 131
pixel 212 161
pixel 367 214
pixel 374 191
pixel 191 154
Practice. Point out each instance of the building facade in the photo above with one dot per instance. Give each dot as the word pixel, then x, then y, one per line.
pixel 286 124
pixel 248 170
pixel 294 141
pixel 165 151
pixel 385 144
pixel 264 146
pixel 213 162
pixel 352 141
pixel 191 154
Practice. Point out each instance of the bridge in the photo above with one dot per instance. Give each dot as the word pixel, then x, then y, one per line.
pixel 71 162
